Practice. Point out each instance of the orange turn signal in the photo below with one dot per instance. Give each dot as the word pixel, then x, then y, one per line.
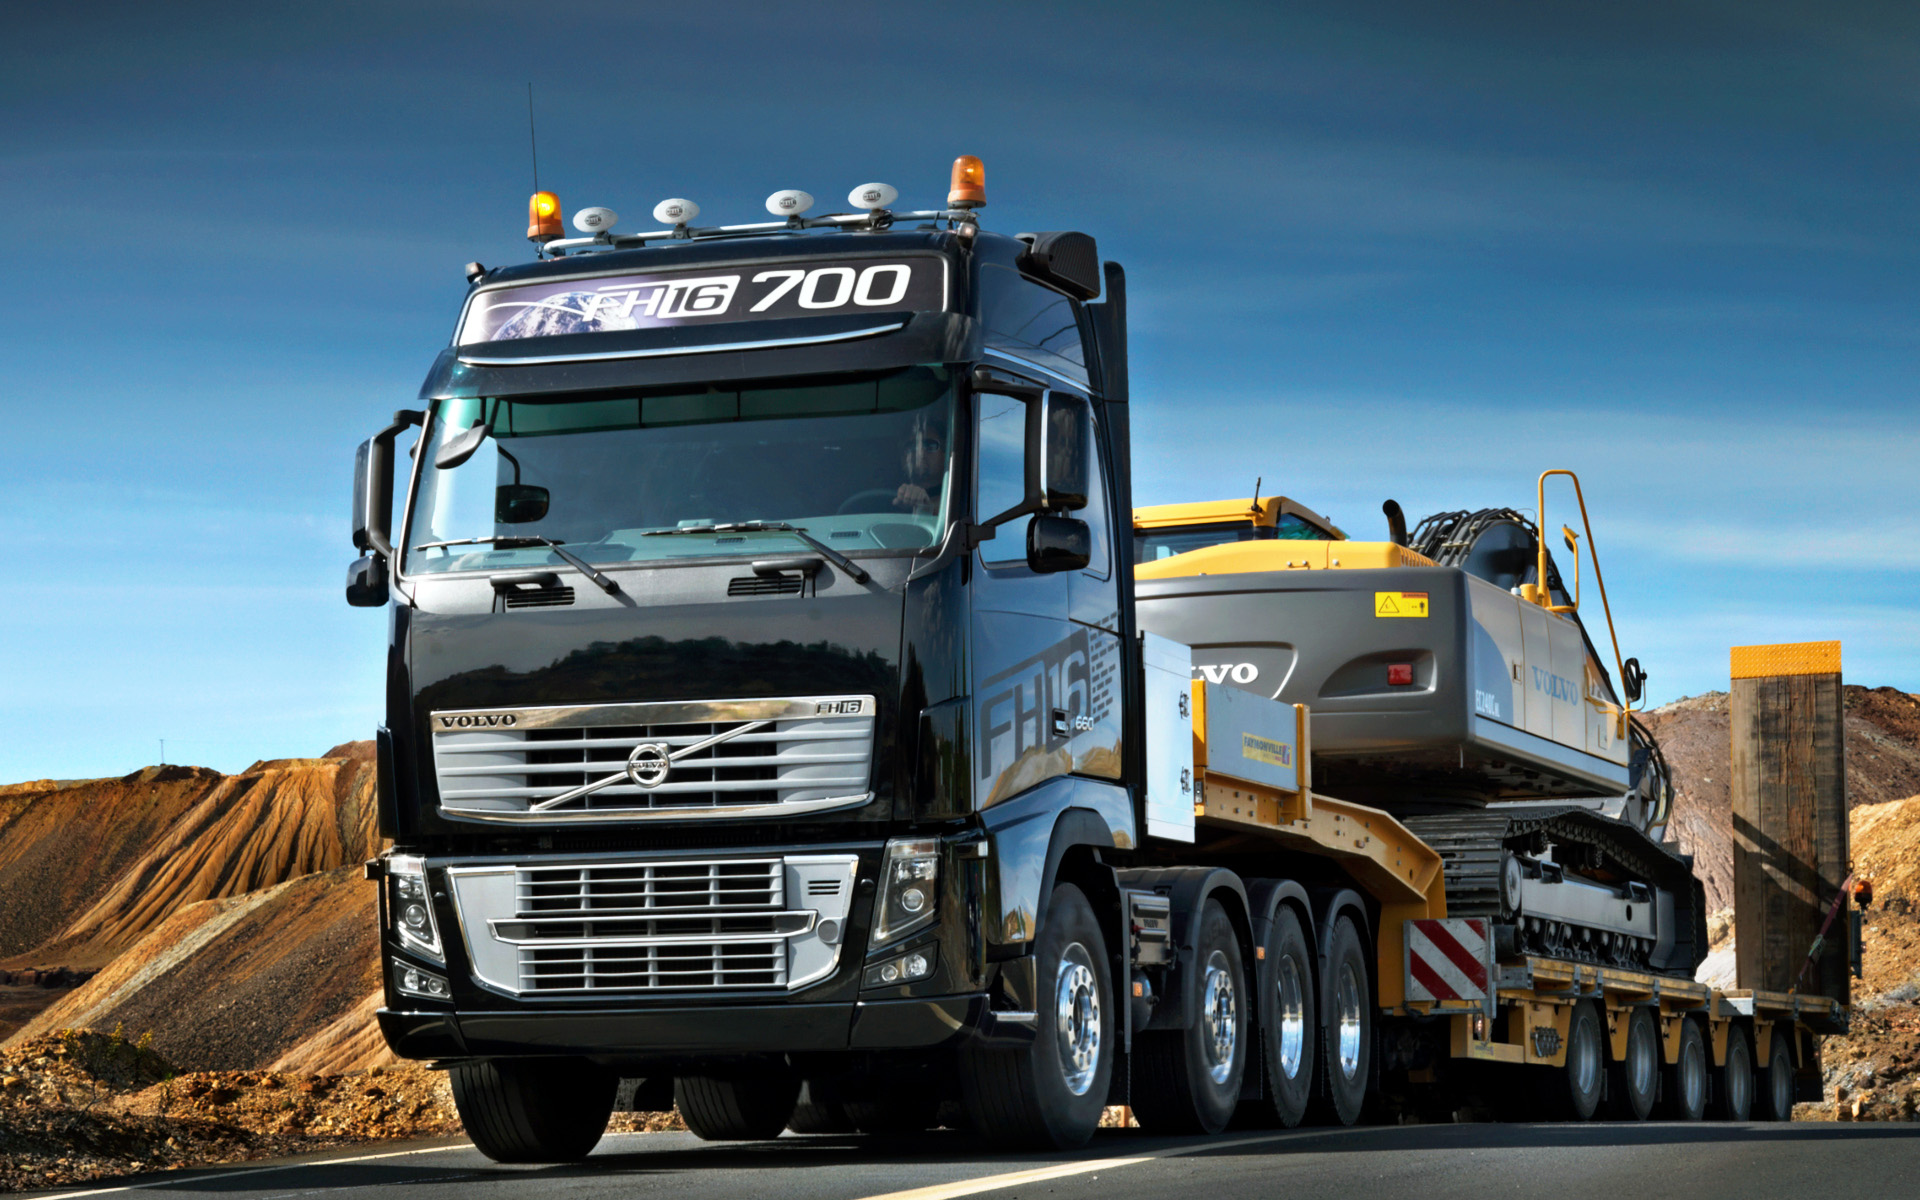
pixel 543 217
pixel 969 183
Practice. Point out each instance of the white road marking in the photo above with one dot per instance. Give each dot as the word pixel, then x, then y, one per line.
pixel 993 1183
pixel 226 1175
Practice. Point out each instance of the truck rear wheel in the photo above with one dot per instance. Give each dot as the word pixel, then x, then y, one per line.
pixel 1775 1094
pixel 1733 1082
pixel 736 1109
pixel 1050 1092
pixel 816 1111
pixel 1188 1080
pixel 1684 1084
pixel 1288 1031
pixel 1572 1092
pixel 1634 1081
pixel 1346 1040
pixel 534 1110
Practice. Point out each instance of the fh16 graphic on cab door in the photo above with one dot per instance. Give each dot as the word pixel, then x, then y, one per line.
pixel 1055 713
pixel 667 299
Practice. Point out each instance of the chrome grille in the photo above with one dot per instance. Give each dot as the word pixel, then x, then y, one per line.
pixel 729 759
pixel 574 929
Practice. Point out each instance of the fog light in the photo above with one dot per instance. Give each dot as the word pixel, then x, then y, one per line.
pixel 910 967
pixel 890 972
pixel 410 980
pixel 916 966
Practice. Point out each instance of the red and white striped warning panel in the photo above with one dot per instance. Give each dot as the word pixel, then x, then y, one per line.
pixel 1450 959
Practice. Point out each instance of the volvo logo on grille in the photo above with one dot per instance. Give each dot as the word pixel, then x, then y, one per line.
pixel 649 765
pixel 480 721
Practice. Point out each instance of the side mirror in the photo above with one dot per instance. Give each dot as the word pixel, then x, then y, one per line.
pixel 519 503
pixel 1058 544
pixel 1057 468
pixel 367 582
pixel 373 487
pixel 1634 680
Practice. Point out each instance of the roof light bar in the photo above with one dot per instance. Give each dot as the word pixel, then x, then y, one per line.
pixel 791 202
pixel 872 196
pixel 595 220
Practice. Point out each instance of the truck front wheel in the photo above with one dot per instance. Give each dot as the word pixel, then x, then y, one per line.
pixel 1188 1080
pixel 534 1110
pixel 1050 1092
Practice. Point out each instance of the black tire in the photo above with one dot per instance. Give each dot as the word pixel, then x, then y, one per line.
pixel 1773 1098
pixel 1344 1073
pixel 1049 1093
pixel 1289 1034
pixel 737 1109
pixel 534 1110
pixel 818 1112
pixel 1188 1080
pixel 1733 1081
pixel 1572 1092
pixel 1683 1085
pixel 1633 1083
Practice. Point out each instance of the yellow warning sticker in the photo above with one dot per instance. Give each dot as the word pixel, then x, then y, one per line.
pixel 1399 604
pixel 1266 750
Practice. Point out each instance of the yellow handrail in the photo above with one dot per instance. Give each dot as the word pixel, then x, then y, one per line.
pixel 1539 594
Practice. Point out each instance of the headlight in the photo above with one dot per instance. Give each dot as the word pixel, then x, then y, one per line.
pixel 410 906
pixel 909 888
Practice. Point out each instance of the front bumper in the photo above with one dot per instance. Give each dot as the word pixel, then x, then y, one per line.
pixel 689 1034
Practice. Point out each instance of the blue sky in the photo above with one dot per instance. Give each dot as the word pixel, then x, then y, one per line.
pixel 1408 250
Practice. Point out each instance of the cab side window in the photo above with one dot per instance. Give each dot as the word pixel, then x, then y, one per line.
pixel 1023 314
pixel 1000 441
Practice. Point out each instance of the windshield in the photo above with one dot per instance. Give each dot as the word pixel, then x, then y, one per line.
pixel 1149 545
pixel 858 463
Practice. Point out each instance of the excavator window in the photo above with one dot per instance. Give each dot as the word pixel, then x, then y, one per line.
pixel 1152 544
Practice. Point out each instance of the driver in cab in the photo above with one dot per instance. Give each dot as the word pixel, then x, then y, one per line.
pixel 924 460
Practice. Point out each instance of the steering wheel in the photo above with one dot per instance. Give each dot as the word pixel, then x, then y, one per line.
pixel 859 502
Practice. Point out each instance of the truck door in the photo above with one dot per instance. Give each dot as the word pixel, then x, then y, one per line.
pixel 1037 672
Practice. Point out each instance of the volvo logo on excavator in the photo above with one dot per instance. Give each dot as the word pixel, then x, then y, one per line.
pixel 1223 672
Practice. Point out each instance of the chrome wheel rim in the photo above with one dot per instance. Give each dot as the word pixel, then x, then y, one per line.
pixel 1583 1058
pixel 1292 1018
pixel 1076 1005
pixel 1694 1077
pixel 1222 1012
pixel 1348 999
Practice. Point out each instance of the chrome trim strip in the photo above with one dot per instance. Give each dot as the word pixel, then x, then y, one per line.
pixel 800 922
pixel 670 351
pixel 1069 380
pixel 662 712
pixel 620 816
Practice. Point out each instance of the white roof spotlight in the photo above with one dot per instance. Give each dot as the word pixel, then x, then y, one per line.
pixel 872 196
pixel 676 212
pixel 595 220
pixel 790 202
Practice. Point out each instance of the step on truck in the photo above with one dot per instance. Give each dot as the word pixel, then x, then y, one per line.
pixel 771 733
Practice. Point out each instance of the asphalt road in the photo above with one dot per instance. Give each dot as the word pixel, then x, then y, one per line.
pixel 1432 1162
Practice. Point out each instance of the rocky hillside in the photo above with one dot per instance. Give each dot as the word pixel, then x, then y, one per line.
pixel 223 912
pixel 1883 764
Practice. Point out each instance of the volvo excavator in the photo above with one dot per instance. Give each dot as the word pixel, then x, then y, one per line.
pixel 1452 683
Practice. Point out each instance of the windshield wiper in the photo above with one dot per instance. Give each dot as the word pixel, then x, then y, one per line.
pixel 522 541
pixel 828 552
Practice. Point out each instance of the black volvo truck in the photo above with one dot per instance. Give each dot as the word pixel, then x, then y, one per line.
pixel 765 716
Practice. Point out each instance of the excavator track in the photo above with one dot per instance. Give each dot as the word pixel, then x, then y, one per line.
pixel 1473 845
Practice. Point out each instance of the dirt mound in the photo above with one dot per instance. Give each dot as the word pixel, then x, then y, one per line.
pixel 237 983
pixel 1883 764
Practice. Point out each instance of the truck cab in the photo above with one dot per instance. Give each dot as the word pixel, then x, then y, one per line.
pixel 757 618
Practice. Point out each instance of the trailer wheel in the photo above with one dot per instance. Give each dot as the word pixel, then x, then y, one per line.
pixel 816 1111
pixel 1287 1027
pixel 1346 1034
pixel 1634 1082
pixel 1684 1084
pixel 534 1110
pixel 1572 1092
pixel 1188 1080
pixel 1776 1082
pixel 1050 1092
pixel 736 1110
pixel 1733 1083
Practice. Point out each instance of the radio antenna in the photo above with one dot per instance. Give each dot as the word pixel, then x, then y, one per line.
pixel 1255 509
pixel 532 143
